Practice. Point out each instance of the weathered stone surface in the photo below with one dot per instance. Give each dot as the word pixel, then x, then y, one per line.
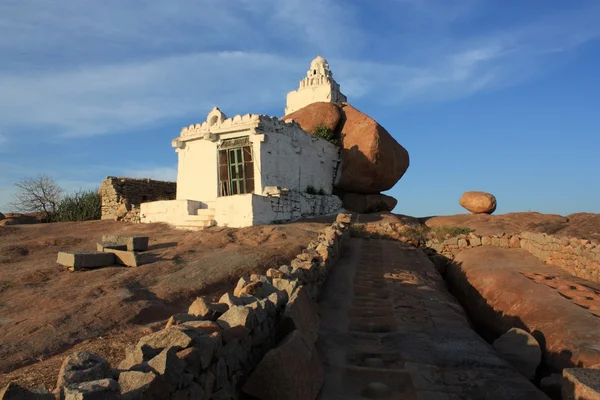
pixel 207 310
pixel 292 370
pixel 180 318
pixel 142 385
pixel 103 389
pixel 198 358
pixel 168 365
pixel 344 218
pixel 127 258
pixel 368 203
pixel 82 366
pixel 581 384
pixel 115 246
pixel 287 285
pixel 156 342
pixel 521 350
pixel 273 273
pixel 85 259
pixel 491 284
pixel 13 391
pixel 133 243
pixel 200 327
pixel 133 356
pixel 304 314
pixel 372 160
pixel 258 289
pixel 315 114
pixel 478 202
pixel 238 315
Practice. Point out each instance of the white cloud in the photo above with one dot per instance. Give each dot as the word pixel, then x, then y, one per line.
pixel 180 67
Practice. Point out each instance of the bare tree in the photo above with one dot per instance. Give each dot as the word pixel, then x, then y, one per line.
pixel 37 194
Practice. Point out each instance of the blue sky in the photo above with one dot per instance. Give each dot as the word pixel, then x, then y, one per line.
pixel 494 95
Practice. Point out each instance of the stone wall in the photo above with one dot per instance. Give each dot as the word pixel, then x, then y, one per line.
pixel 121 197
pixel 217 350
pixel 579 257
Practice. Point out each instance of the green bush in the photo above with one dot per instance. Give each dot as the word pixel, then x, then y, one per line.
pixel 418 233
pixel 83 205
pixel 324 132
pixel 310 189
pixel 322 192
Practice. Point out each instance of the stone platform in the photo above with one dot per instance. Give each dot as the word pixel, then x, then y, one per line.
pixel 391 330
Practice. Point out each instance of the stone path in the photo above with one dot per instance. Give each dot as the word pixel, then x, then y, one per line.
pixel 390 330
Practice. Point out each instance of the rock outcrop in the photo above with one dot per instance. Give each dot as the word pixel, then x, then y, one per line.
pixel 368 203
pixel 478 202
pixel 372 160
pixel 521 350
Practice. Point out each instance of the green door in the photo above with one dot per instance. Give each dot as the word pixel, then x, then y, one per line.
pixel 236 171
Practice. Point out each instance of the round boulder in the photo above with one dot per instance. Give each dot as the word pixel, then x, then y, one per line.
pixel 316 114
pixel 521 350
pixel 372 160
pixel 478 202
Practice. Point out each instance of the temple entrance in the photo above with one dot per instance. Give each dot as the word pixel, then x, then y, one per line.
pixel 236 167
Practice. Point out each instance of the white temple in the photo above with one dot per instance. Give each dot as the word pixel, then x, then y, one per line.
pixel 253 169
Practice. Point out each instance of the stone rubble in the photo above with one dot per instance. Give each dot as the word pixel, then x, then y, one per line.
pixel 212 351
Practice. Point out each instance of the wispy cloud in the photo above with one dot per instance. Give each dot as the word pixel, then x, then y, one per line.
pixel 158 173
pixel 184 65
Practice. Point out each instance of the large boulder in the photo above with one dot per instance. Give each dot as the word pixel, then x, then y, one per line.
pixel 478 202
pixel 372 160
pixel 315 114
pixel 2 216
pixel 368 203
pixel 521 350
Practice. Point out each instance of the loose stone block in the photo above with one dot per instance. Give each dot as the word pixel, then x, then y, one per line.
pixel 115 246
pixel 238 315
pixel 133 243
pixel 207 310
pixel 146 385
pixel 168 365
pixel 105 389
pixel 82 366
pixel 17 392
pixel 90 259
pixel 127 258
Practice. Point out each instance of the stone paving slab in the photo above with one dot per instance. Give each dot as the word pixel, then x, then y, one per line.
pixel 114 246
pixel 391 330
pixel 133 243
pixel 85 259
pixel 127 258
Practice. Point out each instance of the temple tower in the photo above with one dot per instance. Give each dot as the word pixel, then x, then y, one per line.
pixel 318 85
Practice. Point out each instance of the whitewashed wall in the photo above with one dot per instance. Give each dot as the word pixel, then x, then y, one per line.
pixel 197 171
pixel 295 159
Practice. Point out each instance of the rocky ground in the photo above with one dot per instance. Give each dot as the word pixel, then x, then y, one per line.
pixel 46 310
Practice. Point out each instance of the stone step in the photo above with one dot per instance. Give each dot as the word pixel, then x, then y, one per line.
pixel 196 224
pixel 206 211
pixel 194 218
